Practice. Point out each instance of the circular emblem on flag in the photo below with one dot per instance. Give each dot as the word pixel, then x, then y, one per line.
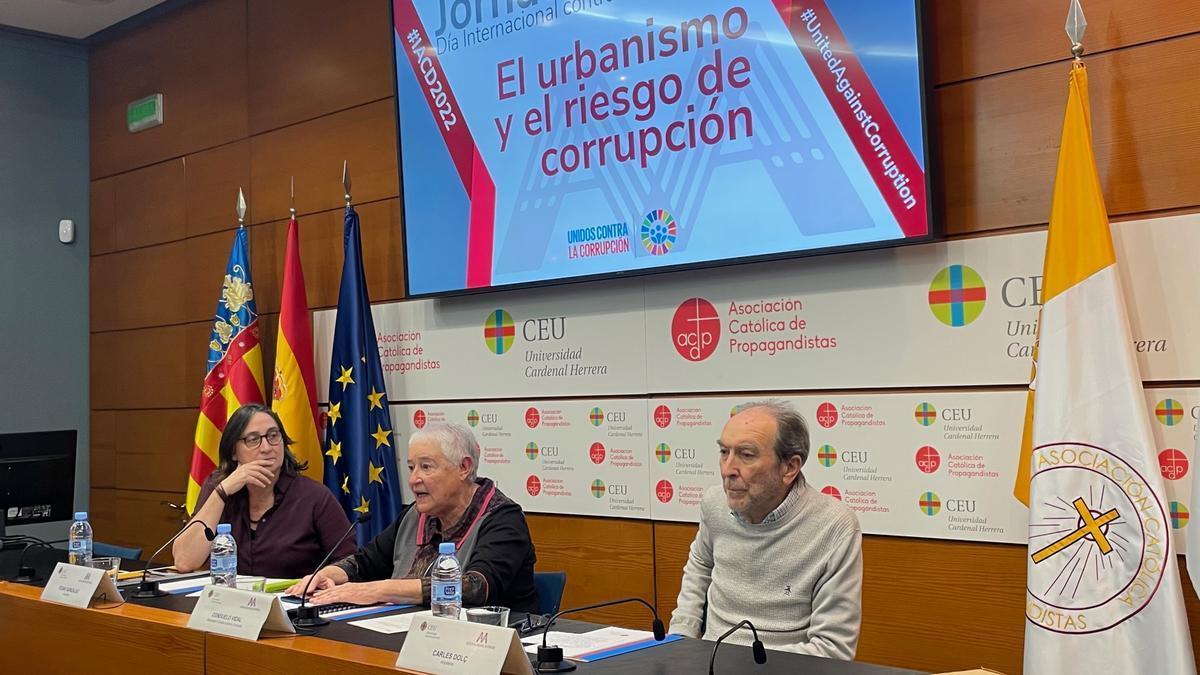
pixel 827 414
pixel 596 453
pixel 597 488
pixel 499 331
pixel 957 295
pixel 929 503
pixel 279 388
pixel 1172 464
pixel 925 414
pixel 473 418
pixel 928 459
pixel 1096 545
pixel 531 450
pixel 532 417
pixel 533 485
pixel 664 491
pixel 419 419
pixel 695 329
pixel 827 454
pixel 832 492
pixel 659 232
pixel 662 452
pixel 1168 412
pixel 596 417
pixel 662 417
pixel 1179 516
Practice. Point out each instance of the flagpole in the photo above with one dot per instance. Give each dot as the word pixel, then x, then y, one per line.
pixel 241 209
pixel 1076 25
pixel 292 199
pixel 346 180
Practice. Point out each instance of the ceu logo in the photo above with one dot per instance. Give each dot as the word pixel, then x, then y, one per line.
pixel 419 419
pixel 695 329
pixel 533 485
pixel 929 503
pixel 499 331
pixel 928 459
pixel 662 452
pixel 659 232
pixel 1168 412
pixel 827 454
pixel 662 417
pixel 1179 516
pixel 473 418
pixel 597 488
pixel 1096 539
pixel 832 492
pixel 596 453
pixel 925 414
pixel 664 491
pixel 532 418
pixel 827 414
pixel 957 295
pixel 531 450
pixel 596 417
pixel 1172 464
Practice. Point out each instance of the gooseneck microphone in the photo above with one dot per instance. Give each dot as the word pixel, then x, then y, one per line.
pixel 27 573
pixel 149 589
pixel 307 616
pixel 760 654
pixel 550 659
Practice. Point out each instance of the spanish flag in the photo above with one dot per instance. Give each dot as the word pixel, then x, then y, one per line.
pixel 1102 583
pixel 293 391
pixel 234 375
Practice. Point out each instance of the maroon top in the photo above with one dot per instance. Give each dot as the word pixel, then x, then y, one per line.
pixel 293 535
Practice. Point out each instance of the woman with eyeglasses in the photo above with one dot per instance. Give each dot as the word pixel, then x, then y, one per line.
pixel 283 522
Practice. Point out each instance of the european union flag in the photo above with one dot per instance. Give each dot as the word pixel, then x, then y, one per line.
pixel 360 460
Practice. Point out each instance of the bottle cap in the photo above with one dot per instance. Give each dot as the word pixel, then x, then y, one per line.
pixel 446 548
pixel 224 528
pixel 81 515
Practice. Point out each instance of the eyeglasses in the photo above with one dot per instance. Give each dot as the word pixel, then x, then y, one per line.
pixel 252 441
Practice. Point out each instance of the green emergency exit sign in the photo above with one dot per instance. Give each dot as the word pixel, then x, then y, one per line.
pixel 144 113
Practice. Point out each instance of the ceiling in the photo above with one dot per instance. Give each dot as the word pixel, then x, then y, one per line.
pixel 75 19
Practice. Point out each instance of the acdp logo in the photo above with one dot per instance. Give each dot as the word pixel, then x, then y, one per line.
pixel 827 414
pixel 596 453
pixel 1172 464
pixel 533 485
pixel 499 331
pixel 928 459
pixel 695 329
pixel 659 232
pixel 532 417
pixel 664 491
pixel 419 419
pixel 832 492
pixel 662 417
pixel 957 295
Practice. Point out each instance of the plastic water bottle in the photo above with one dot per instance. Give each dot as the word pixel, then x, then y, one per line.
pixel 446 583
pixel 222 565
pixel 80 538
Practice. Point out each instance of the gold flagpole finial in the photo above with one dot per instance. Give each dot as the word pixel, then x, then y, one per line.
pixel 241 208
pixel 292 199
pixel 346 180
pixel 1076 25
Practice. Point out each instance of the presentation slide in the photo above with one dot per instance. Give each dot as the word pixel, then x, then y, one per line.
pixel 552 139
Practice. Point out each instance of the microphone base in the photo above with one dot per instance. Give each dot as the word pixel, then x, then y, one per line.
pixel 26 574
pixel 146 590
pixel 550 660
pixel 306 617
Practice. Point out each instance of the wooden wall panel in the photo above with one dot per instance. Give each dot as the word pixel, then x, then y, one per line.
pixel 1000 135
pixel 196 58
pixel 308 58
pixel 672 541
pixel 160 367
pixel 153 448
pixel 973 38
pixel 212 179
pixel 139 208
pixel 321 254
pixel 104 449
pixel 313 152
pixel 136 517
pixel 605 559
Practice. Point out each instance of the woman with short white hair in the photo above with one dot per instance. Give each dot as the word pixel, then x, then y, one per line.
pixel 451 504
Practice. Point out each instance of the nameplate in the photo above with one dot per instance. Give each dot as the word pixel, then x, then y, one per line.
pixel 238 613
pixel 77 586
pixel 446 647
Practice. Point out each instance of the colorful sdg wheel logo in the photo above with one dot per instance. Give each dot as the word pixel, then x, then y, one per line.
pixel 659 232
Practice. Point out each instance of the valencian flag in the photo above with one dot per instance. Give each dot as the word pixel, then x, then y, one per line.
pixel 1102 583
pixel 234 374
pixel 360 449
pixel 293 389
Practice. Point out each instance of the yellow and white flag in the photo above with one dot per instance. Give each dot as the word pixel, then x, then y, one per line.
pixel 1103 591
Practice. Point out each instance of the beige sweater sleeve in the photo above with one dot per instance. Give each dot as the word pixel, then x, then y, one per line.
pixel 837 601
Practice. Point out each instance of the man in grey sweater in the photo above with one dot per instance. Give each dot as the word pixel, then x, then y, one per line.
pixel 771 548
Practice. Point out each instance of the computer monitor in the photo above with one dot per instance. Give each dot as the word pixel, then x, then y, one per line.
pixel 37 477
